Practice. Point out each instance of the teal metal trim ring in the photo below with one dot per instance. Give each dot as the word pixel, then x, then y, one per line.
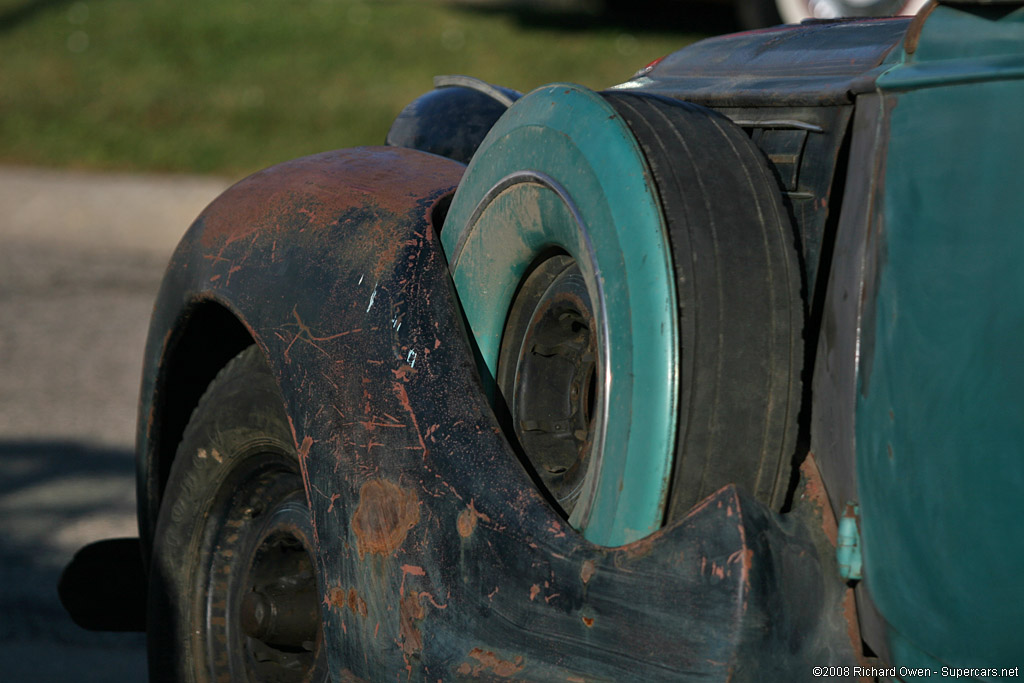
pixel 561 171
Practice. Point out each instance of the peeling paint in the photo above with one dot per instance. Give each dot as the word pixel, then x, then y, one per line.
pixel 403 398
pixel 466 523
pixel 336 597
pixel 587 571
pixel 487 661
pixel 467 520
pixel 814 491
pixel 409 569
pixel 384 517
pixel 356 604
pixel 373 295
pixel 213 453
pixel 411 612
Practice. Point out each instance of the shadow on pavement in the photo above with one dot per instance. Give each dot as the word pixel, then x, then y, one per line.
pixel 56 496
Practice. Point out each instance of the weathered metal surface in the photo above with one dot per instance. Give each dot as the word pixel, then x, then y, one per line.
pixel 960 44
pixel 452 119
pixel 939 426
pixel 820 63
pixel 439 558
pixel 806 167
pixel 834 387
pixel 834 384
pixel 812 501
pixel 916 24
pixel 272 235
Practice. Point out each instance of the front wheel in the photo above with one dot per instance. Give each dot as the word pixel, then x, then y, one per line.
pixel 233 591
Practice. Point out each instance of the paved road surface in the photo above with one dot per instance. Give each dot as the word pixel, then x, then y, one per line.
pixel 81 256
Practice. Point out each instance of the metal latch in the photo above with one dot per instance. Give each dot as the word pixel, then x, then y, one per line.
pixel 848 544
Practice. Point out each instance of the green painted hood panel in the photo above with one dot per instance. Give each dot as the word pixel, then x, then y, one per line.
pixel 940 416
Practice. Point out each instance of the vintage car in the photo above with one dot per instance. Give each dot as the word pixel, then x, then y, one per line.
pixel 757 13
pixel 714 375
pixel 751 14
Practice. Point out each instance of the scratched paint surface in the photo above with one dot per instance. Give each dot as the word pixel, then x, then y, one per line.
pixel 438 557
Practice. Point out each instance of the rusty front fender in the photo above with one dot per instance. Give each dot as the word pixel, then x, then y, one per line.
pixel 258 264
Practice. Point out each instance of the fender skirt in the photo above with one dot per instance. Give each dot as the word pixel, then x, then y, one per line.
pixel 438 557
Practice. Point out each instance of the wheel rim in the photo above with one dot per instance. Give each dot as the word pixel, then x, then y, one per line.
pixel 260 606
pixel 548 370
pixel 560 172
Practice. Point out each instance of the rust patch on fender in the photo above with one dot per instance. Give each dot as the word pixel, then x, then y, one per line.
pixel 587 571
pixel 384 517
pixel 356 604
pixel 312 192
pixel 410 613
pixel 466 523
pixel 642 547
pixel 814 492
pixel 340 599
pixel 490 662
pixel 348 677
pixel 336 597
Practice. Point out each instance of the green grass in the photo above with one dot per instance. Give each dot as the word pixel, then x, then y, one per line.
pixel 230 86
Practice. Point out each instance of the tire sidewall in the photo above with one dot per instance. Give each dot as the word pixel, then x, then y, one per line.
pixel 238 420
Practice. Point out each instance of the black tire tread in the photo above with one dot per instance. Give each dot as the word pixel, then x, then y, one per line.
pixel 738 291
pixel 242 405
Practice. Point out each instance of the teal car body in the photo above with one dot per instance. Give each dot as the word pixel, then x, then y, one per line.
pixel 940 419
